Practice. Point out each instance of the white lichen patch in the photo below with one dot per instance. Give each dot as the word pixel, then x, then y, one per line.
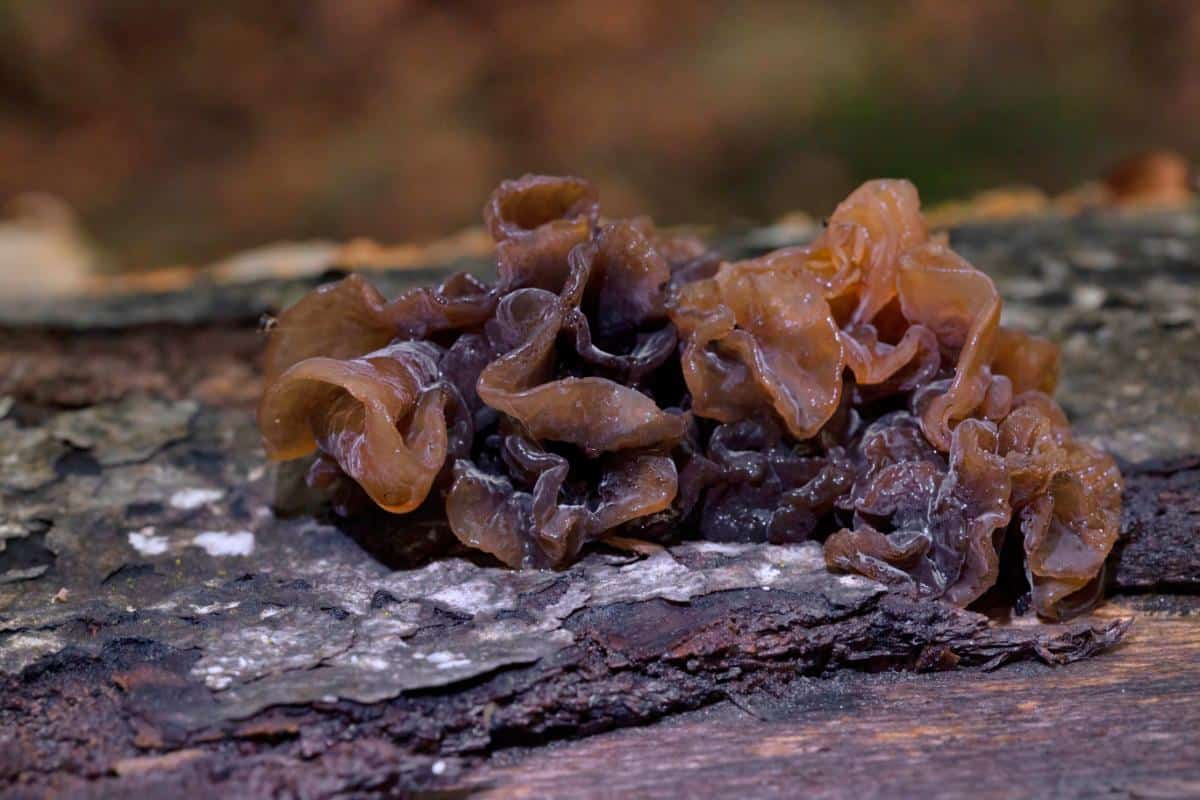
pixel 808 556
pixel 370 662
pixel 190 499
pixel 148 543
pixel 222 543
pixel 236 652
pixel 28 646
pixel 767 574
pixel 857 582
pixel 660 575
pixel 444 659
pixel 215 677
pixel 473 598
pixel 213 608
pixel 1088 297
pixel 716 548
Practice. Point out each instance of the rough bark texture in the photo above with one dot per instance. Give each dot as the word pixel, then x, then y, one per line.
pixel 1121 725
pixel 174 619
pixel 1160 548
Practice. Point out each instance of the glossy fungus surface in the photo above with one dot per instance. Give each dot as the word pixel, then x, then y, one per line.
pixel 616 379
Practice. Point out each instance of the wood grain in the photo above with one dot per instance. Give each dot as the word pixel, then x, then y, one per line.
pixel 1126 724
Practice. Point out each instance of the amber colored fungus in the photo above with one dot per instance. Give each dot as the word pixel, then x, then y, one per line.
pixel 616 379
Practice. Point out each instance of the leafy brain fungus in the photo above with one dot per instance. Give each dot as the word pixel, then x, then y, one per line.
pixel 618 379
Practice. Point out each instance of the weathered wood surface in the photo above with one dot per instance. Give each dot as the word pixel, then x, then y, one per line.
pixel 162 629
pixel 1121 725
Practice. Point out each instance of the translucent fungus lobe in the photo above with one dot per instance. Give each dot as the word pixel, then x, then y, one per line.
pixel 858 390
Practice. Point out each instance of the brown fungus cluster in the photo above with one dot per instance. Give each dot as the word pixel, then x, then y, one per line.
pixel 617 380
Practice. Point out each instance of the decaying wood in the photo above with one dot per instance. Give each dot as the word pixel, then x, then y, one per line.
pixel 173 618
pixel 1121 725
pixel 1160 548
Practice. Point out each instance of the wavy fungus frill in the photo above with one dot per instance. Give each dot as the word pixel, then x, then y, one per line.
pixel 760 336
pixel 858 390
pixel 921 518
pixel 381 417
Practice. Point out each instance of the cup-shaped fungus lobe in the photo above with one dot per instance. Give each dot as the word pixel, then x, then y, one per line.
pixel 380 416
pixel 350 318
pixel 766 489
pixel 760 337
pixel 539 515
pixel 942 292
pixel 596 414
pixel 535 221
pixel 626 279
pixel 921 519
pixel 864 239
pixel 858 390
pixel 1067 495
pixel 338 320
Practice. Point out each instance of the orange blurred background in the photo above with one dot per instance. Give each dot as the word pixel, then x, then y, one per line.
pixel 186 131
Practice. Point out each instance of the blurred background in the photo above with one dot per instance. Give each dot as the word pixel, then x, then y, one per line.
pixel 168 132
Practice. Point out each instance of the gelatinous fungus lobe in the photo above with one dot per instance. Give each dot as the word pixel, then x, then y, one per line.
pixel 380 416
pixel 535 221
pixel 759 336
pixel 858 390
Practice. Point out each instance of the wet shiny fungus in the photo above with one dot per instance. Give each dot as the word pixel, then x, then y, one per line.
pixel 858 390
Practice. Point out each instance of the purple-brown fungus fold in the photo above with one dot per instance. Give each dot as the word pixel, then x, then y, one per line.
pixel 619 380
